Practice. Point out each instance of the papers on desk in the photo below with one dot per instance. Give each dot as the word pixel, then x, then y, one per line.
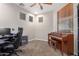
pixel 7 35
pixel 0 36
pixel 4 36
pixel 2 41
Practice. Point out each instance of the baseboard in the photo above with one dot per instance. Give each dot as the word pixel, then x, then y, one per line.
pixel 31 39
pixel 37 39
pixel 41 39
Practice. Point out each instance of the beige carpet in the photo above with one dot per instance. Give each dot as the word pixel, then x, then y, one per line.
pixel 38 48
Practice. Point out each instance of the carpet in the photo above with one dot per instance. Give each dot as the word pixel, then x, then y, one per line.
pixel 38 48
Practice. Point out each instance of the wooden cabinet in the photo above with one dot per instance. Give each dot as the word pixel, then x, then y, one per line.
pixel 64 42
pixel 66 11
pixel 65 18
pixel 69 10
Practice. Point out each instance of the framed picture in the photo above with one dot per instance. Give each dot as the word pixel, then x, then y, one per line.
pixel 31 18
pixel 22 16
pixel 40 19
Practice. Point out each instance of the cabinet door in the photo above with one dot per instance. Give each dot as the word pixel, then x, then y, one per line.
pixel 69 10
pixel 66 11
pixel 61 13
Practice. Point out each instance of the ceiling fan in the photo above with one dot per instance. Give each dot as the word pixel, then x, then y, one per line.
pixel 40 4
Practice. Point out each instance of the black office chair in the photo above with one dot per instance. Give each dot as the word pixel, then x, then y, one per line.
pixel 20 31
pixel 18 39
pixel 7 48
pixel 12 47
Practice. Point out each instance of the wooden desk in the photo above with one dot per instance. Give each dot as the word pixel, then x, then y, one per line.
pixel 64 42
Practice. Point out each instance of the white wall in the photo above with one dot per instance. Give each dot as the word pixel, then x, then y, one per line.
pixel 9 17
pixel 42 29
pixel 29 27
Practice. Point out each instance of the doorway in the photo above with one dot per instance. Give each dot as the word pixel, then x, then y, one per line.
pixel 78 27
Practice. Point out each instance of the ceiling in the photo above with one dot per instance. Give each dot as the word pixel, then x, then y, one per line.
pixel 46 8
pixel 36 9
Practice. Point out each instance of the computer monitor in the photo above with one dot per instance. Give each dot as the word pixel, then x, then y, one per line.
pixel 4 31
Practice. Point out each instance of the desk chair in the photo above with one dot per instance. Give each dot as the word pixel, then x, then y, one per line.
pixel 4 50
pixel 12 47
pixel 18 40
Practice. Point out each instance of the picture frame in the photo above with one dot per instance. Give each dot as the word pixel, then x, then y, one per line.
pixel 40 19
pixel 31 18
pixel 22 16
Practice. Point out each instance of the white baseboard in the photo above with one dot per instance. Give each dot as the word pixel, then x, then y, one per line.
pixel 31 39
pixel 41 39
pixel 37 39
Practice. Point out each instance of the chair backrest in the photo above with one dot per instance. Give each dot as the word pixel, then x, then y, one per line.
pixel 20 30
pixel 18 39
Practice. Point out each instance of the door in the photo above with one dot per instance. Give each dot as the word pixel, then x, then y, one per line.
pixel 78 27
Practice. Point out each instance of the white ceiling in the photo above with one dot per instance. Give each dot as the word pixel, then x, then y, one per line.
pixel 36 9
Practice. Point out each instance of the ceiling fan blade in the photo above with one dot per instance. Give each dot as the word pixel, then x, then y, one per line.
pixel 21 4
pixel 48 3
pixel 33 5
pixel 41 6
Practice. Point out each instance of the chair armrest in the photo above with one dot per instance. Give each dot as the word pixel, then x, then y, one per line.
pixel 8 42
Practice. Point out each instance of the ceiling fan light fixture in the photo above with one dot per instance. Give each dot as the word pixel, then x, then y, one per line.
pixel 36 12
